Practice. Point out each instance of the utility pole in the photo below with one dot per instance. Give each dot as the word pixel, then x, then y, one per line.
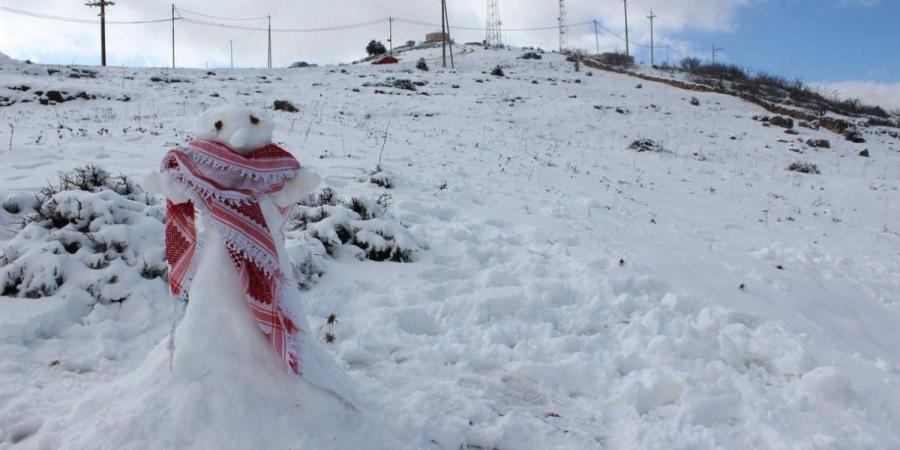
pixel 597 36
pixel 714 51
pixel 444 33
pixel 173 35
pixel 102 4
pixel 563 27
pixel 667 55
pixel 270 41
pixel 391 34
pixel 652 48
pixel 449 39
pixel 627 43
pixel 231 45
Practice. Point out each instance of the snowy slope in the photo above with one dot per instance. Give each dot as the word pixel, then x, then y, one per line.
pixel 573 293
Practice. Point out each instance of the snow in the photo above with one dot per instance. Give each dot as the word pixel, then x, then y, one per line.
pixel 5 60
pixel 567 292
pixel 225 387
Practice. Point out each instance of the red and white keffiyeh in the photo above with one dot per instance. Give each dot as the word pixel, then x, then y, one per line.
pixel 226 186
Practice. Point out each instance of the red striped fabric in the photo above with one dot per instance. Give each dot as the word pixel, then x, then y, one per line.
pixel 226 187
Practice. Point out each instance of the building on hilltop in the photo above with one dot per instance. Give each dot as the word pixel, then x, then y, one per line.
pixel 436 37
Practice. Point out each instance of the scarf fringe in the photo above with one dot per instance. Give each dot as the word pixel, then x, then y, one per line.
pixel 206 193
pixel 201 157
pixel 254 252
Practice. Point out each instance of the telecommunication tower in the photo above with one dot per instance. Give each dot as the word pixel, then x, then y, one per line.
pixel 493 37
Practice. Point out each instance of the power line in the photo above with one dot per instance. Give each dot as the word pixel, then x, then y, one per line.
pixel 429 24
pixel 210 23
pixel 208 16
pixel 228 46
pixel 286 30
pixel 619 36
pixel 38 15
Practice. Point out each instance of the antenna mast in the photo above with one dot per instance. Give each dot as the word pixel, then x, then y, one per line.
pixel 563 27
pixel 493 38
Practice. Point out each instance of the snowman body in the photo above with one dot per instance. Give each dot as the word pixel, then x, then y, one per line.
pixel 218 333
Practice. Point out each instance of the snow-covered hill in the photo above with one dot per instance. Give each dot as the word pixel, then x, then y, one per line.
pixel 570 291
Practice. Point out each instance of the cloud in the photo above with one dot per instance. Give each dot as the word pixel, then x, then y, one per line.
pixel 198 46
pixel 886 95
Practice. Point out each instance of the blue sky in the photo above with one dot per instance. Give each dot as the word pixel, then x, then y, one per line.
pixel 821 40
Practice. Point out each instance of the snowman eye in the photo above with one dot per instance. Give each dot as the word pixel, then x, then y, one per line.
pixel 254 120
pixel 218 125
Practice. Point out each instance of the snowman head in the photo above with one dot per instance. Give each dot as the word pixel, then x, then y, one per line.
pixel 242 129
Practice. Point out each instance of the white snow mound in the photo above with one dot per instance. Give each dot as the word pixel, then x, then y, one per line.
pixel 222 387
pixel 243 129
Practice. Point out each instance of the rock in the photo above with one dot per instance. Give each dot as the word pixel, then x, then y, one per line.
pixel 284 105
pixel 810 125
pixel 818 143
pixel 695 101
pixel 167 80
pixel 853 135
pixel 802 167
pixel 531 55
pixel 781 121
pixel 498 72
pixel 864 153
pixel 404 84
pixel 55 96
pixel 646 145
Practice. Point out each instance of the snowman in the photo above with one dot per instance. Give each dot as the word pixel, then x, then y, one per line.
pixel 244 307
